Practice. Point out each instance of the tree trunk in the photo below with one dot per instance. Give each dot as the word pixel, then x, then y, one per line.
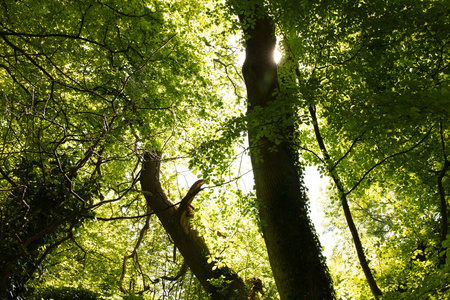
pixel 192 246
pixel 347 213
pixel 293 247
pixel 441 190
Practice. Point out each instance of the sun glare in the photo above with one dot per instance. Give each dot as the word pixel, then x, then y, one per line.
pixel 277 55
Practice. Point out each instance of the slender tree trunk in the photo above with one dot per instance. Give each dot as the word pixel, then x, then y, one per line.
pixel 190 244
pixel 441 190
pixel 293 247
pixel 348 215
pixel 444 212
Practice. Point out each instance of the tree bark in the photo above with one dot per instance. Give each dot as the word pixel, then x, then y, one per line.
pixel 348 215
pixel 190 244
pixel 441 190
pixel 292 245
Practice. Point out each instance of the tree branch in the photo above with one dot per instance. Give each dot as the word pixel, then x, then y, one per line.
pixel 191 245
pixel 348 151
pixel 142 234
pixel 347 213
pixel 387 158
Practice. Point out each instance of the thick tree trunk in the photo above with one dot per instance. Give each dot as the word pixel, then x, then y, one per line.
pixel 293 248
pixel 192 246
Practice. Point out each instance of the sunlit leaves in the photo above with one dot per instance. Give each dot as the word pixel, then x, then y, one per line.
pixel 377 74
pixel 88 87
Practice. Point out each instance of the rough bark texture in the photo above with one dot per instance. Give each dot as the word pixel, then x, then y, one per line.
pixel 292 245
pixel 192 246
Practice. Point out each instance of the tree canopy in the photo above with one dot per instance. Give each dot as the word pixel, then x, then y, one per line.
pixel 127 128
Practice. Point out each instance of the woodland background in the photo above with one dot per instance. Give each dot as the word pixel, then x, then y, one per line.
pixel 97 93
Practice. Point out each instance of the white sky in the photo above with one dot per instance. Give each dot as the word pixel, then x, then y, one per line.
pixel 315 187
pixel 276 55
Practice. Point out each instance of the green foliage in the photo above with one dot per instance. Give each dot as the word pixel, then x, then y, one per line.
pixel 88 86
pixel 377 75
pixel 50 212
pixel 132 297
pixel 66 293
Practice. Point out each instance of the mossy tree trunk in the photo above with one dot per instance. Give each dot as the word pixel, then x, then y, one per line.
pixel 220 283
pixel 293 248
